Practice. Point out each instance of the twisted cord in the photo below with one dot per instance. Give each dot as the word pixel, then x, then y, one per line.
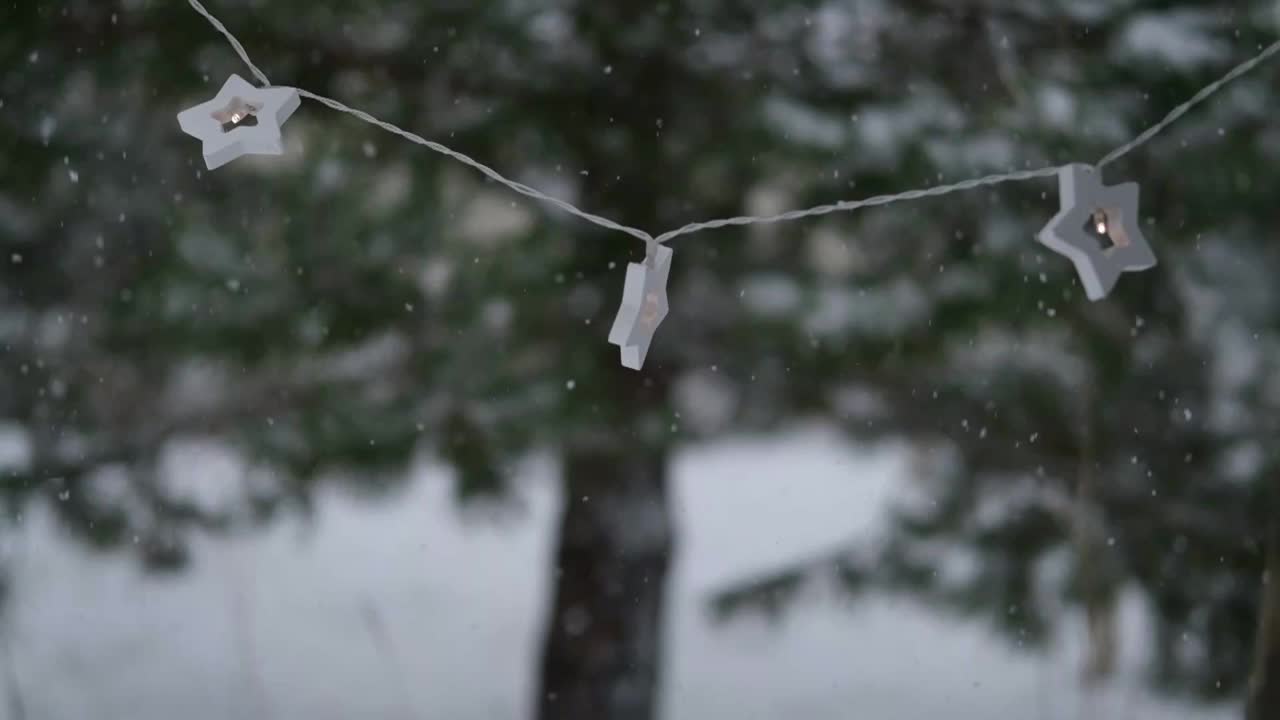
pixel 847 205
pixel 235 43
pixel 841 206
pixel 488 171
pixel 1196 99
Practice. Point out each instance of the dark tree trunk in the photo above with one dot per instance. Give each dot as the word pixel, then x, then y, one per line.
pixel 603 646
pixel 1264 683
pixel 1097 576
pixel 603 639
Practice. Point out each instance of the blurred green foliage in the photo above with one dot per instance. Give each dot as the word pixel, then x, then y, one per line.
pixel 360 299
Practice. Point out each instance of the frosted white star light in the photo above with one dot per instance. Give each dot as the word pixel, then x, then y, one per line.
pixel 644 307
pixel 1111 212
pixel 242 119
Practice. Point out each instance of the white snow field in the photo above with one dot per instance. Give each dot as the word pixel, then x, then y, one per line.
pixel 405 608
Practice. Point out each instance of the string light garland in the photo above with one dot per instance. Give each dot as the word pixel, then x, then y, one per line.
pixel 1097 227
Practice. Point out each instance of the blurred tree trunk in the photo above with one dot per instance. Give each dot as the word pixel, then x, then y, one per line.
pixel 603 639
pixel 602 647
pixel 1264 683
pixel 1097 576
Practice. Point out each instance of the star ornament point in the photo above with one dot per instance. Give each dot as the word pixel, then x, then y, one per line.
pixel 644 307
pixel 1097 229
pixel 242 119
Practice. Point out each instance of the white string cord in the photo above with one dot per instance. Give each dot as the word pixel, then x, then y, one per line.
pixel 841 206
pixel 845 205
pixel 488 171
pixel 235 44
pixel 1196 99
pixel 414 137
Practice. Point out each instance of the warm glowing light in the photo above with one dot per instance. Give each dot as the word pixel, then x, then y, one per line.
pixel 235 113
pixel 1100 222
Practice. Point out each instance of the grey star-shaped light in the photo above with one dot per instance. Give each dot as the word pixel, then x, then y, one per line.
pixel 1097 229
pixel 644 306
pixel 242 119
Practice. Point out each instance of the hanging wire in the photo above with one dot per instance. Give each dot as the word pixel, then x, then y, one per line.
pixel 841 206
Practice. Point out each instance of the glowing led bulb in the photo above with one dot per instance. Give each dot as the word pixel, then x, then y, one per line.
pixel 237 111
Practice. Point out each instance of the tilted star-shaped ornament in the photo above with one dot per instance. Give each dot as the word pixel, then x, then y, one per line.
pixel 644 306
pixel 1097 229
pixel 243 119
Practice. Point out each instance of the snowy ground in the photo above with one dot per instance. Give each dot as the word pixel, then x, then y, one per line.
pixel 405 609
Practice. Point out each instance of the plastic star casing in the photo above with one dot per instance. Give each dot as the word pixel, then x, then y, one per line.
pixel 271 107
pixel 1082 194
pixel 644 307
